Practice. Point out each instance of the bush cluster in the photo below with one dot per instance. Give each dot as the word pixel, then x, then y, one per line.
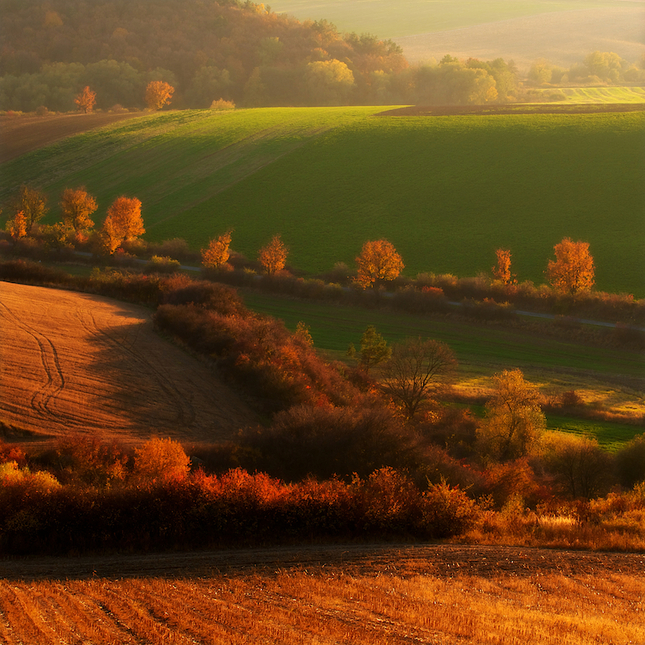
pixel 200 510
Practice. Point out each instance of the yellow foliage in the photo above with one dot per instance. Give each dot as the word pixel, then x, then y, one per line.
pixel 217 253
pixel 158 94
pixel 378 262
pixel 273 256
pixel 161 459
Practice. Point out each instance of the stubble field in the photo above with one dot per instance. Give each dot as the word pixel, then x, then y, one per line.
pixel 438 595
pixel 73 363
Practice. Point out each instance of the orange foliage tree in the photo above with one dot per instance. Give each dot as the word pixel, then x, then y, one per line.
pixel 217 253
pixel 502 270
pixel 161 460
pixel 273 256
pixel 77 205
pixel 573 268
pixel 17 227
pixel 30 206
pixel 377 263
pixel 85 100
pixel 123 222
pixel 158 94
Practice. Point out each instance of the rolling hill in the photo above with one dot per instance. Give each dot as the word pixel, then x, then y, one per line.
pixel 525 30
pixel 445 190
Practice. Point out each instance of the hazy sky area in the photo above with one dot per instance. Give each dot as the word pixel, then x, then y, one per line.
pixel 522 30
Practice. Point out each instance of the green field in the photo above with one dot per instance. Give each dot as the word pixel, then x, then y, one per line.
pixel 481 351
pixel 582 95
pixel 407 17
pixel 447 191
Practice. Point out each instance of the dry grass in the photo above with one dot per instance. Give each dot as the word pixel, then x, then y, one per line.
pixel 300 606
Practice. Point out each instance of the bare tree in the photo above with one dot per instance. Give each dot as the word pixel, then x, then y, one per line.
pixel 418 368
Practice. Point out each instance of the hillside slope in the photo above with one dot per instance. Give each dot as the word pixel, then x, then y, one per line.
pixel 73 363
pixel 447 191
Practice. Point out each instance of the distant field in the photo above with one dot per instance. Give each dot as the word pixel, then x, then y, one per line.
pixel 521 30
pixel 446 191
pixel 581 95
pixel 407 17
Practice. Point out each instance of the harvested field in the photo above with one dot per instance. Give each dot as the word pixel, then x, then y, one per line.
pixel 74 363
pixel 425 594
pixel 22 134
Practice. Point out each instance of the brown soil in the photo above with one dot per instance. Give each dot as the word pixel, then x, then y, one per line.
pixel 73 363
pixel 401 560
pixel 21 134
pixel 533 108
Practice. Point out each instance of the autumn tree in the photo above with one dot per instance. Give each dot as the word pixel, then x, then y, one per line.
pixel 77 205
pixel 573 268
pixel 374 349
pixel 32 203
pixel 216 255
pixel 330 81
pixel 17 226
pixel 502 270
pixel 161 460
pixel 85 100
pixel 514 419
pixel 158 94
pixel 579 466
pixel 273 256
pixel 378 262
pixel 418 369
pixel 123 222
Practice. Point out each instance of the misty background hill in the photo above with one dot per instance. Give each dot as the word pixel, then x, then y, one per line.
pixel 253 56
pixel 522 31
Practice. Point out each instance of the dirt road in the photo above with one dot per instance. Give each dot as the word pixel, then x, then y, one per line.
pixel 76 363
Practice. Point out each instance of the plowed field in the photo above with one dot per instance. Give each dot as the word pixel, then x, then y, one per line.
pixel 428 594
pixel 75 363
pixel 25 133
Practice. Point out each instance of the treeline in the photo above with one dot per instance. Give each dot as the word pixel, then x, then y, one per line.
pixel 207 51
pixel 597 68
pixel 239 52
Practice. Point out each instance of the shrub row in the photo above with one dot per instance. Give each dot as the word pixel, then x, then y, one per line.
pixel 230 510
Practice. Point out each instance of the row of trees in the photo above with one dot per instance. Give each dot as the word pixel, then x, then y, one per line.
pixel 572 271
pixel 123 221
pixel 314 82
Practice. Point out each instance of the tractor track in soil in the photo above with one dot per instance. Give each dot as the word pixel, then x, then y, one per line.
pixel 75 363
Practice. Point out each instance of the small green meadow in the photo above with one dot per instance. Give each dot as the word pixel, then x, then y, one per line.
pixel 445 190
pixel 479 349
pixel 594 95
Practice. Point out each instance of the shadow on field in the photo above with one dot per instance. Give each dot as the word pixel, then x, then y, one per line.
pixel 396 560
